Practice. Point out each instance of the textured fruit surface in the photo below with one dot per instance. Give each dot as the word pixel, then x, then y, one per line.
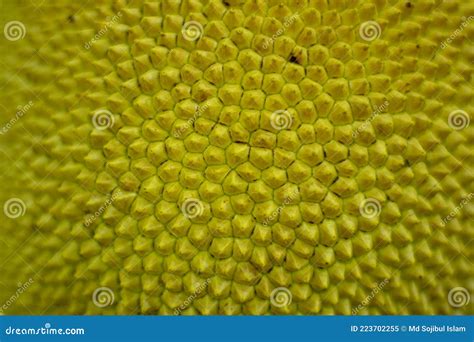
pixel 236 157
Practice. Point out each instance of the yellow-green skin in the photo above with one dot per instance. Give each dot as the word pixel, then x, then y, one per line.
pixel 280 207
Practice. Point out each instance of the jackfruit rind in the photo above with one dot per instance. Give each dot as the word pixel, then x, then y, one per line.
pixel 236 157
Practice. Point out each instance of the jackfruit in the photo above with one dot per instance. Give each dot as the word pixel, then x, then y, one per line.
pixel 200 157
